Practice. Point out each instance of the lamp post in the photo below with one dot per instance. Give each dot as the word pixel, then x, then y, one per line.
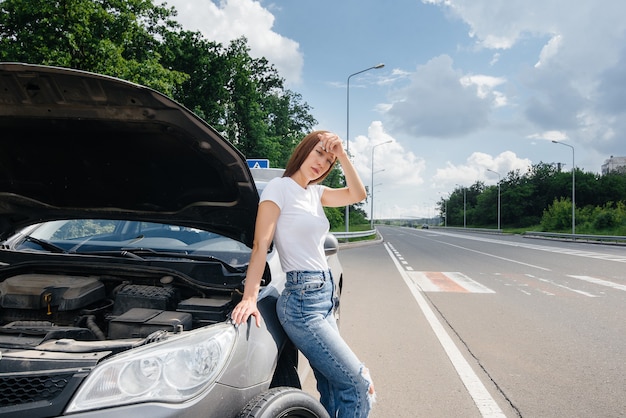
pixel 375 67
pixel 464 204
pixel 372 191
pixel 499 177
pixel 445 208
pixel 573 186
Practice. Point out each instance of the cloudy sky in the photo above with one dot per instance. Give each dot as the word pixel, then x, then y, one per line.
pixel 468 85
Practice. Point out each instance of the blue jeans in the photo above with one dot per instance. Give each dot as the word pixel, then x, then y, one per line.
pixel 305 311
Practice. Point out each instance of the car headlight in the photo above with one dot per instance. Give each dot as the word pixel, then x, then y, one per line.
pixel 171 371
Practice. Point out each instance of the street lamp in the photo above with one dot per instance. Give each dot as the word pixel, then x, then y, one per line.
pixel 573 187
pixel 375 67
pixel 464 204
pixel 372 178
pixel 499 177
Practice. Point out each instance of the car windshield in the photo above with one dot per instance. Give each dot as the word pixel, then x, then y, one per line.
pixel 102 236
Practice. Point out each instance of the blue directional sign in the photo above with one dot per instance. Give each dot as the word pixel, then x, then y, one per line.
pixel 258 163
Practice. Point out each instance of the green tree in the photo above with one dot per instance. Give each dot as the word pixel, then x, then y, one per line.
pixel 136 40
pixel 113 37
pixel 611 188
pixel 486 211
pixel 204 91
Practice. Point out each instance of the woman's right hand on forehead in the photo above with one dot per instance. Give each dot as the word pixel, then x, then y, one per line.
pixel 332 143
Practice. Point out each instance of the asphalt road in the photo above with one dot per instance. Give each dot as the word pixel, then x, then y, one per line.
pixel 454 324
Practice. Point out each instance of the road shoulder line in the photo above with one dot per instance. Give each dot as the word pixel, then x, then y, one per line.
pixel 477 391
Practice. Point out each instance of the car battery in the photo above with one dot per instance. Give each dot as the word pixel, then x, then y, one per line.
pixel 206 310
pixel 141 322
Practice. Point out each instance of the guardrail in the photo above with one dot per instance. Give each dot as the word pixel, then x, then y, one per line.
pixel 355 234
pixel 618 239
pixel 460 228
pixel 576 237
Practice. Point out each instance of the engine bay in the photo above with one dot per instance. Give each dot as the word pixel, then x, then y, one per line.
pixel 36 307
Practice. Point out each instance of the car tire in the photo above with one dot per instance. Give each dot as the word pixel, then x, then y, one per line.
pixel 284 402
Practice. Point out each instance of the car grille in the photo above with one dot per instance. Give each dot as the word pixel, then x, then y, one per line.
pixel 26 389
pixel 37 395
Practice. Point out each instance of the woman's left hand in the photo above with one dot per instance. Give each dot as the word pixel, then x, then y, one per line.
pixel 245 309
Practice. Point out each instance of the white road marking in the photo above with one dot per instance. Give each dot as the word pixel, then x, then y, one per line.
pixel 479 393
pixel 600 282
pixel 495 256
pixel 578 253
pixel 568 288
pixel 445 281
pixel 472 286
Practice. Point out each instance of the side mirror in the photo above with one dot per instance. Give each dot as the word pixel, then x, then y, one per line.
pixel 331 245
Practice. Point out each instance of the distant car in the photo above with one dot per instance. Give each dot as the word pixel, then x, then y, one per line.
pixel 424 226
pixel 126 224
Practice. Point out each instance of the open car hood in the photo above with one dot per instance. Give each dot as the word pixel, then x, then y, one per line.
pixel 81 145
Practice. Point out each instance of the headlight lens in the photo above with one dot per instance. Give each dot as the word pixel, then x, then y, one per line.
pixel 172 371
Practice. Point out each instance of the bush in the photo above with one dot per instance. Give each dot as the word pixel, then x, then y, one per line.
pixel 609 219
pixel 558 216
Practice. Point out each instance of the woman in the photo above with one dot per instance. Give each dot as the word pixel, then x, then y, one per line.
pixel 290 214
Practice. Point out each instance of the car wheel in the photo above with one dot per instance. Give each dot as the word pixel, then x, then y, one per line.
pixel 284 402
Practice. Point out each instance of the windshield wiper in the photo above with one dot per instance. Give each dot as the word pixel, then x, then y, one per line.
pixel 45 244
pixel 141 253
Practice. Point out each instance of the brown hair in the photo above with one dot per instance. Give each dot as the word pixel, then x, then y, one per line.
pixel 301 153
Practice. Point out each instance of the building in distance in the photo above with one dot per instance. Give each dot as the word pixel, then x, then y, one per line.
pixel 614 164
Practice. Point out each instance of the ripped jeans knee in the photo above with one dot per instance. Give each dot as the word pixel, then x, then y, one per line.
pixel 371 392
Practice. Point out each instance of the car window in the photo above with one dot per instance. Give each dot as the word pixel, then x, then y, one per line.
pixel 82 228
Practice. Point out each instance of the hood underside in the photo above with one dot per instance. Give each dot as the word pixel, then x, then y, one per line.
pixel 80 145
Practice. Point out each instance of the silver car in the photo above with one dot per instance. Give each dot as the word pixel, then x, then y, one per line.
pixel 126 224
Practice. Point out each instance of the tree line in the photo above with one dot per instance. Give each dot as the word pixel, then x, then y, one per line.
pixel 542 198
pixel 242 97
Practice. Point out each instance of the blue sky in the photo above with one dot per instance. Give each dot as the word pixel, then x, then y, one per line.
pixel 468 85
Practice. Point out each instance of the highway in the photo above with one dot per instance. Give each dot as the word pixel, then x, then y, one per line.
pixel 456 324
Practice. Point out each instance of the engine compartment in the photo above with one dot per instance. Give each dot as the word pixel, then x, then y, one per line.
pixel 37 307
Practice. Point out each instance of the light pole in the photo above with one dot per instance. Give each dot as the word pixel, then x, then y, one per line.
pixel 372 191
pixel 375 67
pixel 573 187
pixel 499 177
pixel 464 204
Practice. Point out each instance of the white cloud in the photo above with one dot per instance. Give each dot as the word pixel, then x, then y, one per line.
pixel 576 84
pixel 476 168
pixel 393 165
pixel 549 136
pixel 442 102
pixel 550 50
pixel 231 19
pixel 485 87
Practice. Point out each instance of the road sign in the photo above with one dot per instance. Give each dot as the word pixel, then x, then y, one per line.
pixel 258 163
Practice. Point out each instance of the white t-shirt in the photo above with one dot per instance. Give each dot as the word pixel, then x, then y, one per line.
pixel 302 224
